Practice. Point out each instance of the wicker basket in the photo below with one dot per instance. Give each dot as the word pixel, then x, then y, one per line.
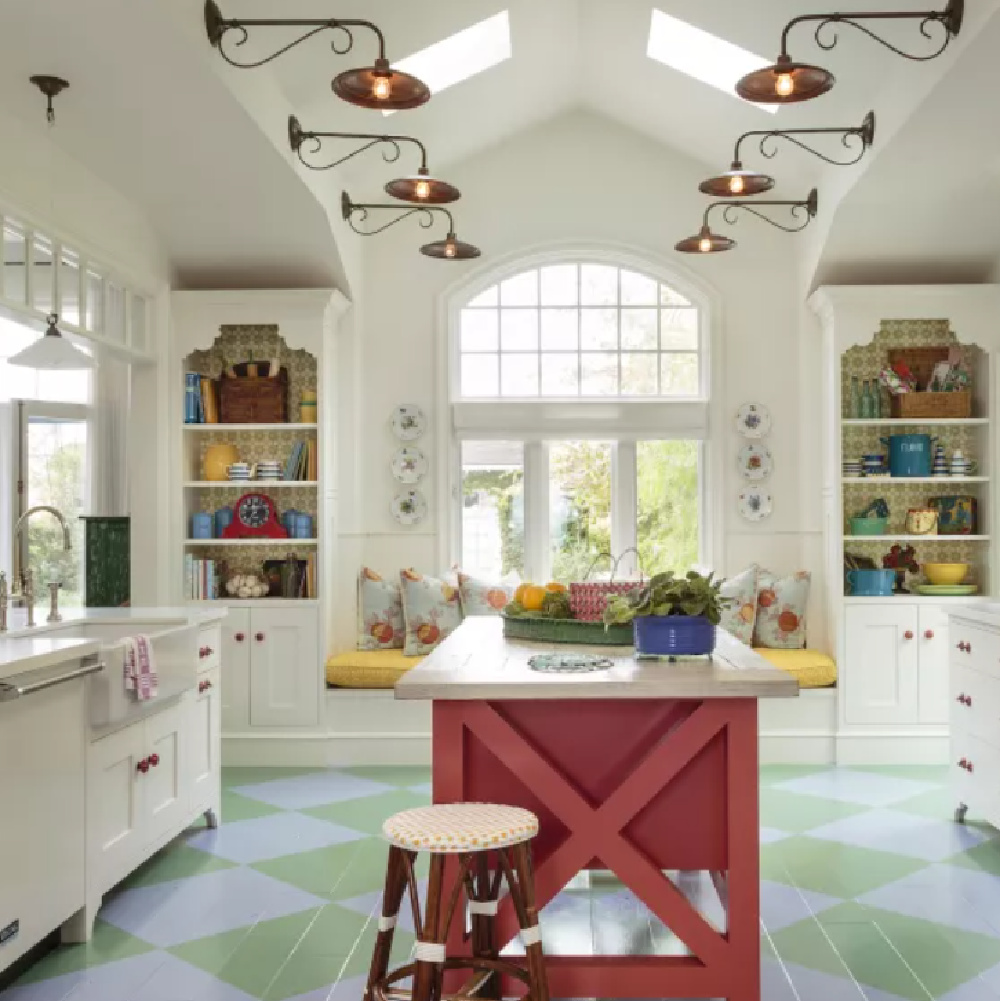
pixel 566 631
pixel 921 362
pixel 254 400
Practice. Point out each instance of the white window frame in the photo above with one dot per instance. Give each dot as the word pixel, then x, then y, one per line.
pixel 618 419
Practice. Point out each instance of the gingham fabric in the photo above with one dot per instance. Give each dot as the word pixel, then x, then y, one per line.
pixel 460 827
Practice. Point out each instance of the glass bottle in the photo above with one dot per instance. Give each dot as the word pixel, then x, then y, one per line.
pixel 876 399
pixel 867 403
pixel 855 401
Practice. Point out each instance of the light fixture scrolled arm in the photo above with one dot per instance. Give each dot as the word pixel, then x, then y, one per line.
pixel 861 136
pixel 803 210
pixel 299 138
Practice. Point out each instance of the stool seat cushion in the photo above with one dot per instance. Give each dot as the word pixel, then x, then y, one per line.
pixel 460 827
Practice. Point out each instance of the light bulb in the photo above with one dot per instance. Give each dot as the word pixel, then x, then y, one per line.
pixel 705 244
pixel 450 247
pixel 381 88
pixel 784 85
pixel 736 184
pixel 423 189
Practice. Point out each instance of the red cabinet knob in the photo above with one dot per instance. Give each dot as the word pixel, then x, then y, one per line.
pixel 204 686
pixel 154 760
pixel 961 644
pixel 969 767
pixel 239 637
pixel 205 651
pixel 143 766
pixel 908 635
pixel 961 699
pixel 929 634
pixel 260 637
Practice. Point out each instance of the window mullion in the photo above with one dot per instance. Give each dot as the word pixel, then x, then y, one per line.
pixel 623 504
pixel 537 558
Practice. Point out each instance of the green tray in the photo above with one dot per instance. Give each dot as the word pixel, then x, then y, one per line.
pixel 543 630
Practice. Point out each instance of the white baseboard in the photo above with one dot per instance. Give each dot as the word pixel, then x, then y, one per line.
pixel 893 748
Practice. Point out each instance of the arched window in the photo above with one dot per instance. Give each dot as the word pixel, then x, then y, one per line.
pixel 579 392
pixel 579 329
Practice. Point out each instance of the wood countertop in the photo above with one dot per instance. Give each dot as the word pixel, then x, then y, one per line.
pixel 478 662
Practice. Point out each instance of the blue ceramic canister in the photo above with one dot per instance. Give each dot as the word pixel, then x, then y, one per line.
pixel 302 526
pixel 673 635
pixel 202 524
pixel 910 454
pixel 223 519
pixel 870 583
pixel 288 520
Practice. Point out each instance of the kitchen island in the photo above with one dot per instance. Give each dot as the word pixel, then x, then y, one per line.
pixel 640 769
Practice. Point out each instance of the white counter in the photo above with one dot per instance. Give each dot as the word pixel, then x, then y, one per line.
pixel 478 662
pixel 984 615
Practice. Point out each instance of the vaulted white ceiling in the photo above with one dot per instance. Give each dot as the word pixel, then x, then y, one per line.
pixel 201 146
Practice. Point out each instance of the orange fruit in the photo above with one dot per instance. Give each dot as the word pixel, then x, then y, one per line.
pixel 533 598
pixel 554 587
pixel 519 593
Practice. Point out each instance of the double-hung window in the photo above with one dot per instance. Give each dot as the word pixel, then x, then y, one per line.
pixel 579 400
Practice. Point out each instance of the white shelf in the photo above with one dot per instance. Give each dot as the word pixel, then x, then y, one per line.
pixel 251 542
pixel 250 427
pixel 903 480
pixel 254 602
pixel 248 485
pixel 920 599
pixel 916 538
pixel 853 422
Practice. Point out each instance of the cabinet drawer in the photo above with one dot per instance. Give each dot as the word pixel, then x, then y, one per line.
pixel 975 705
pixel 982 768
pixel 974 647
pixel 209 648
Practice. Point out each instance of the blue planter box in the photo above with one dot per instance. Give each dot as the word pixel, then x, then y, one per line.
pixel 673 635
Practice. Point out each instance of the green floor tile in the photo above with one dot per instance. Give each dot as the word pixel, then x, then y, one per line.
pixel 108 944
pixel 938 804
pixel 250 776
pixel 905 956
pixel 369 813
pixel 236 807
pixel 176 861
pixel 789 811
pixel 359 961
pixel 985 856
pixel 938 774
pixel 322 870
pixel 394 775
pixel 830 867
pixel 771 774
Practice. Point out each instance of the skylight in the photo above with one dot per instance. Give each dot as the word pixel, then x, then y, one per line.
pixel 701 55
pixel 462 55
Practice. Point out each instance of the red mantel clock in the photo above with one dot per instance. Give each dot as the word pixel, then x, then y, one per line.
pixel 255 517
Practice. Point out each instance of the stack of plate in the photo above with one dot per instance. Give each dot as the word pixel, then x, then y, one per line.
pixel 239 471
pixel 269 469
pixel 852 467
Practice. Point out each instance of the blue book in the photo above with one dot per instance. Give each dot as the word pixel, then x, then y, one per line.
pixel 192 398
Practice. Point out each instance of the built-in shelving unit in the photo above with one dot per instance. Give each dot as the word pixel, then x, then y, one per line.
pixel 918 422
pixel 903 481
pixel 288 543
pixel 919 538
pixel 247 485
pixel 210 428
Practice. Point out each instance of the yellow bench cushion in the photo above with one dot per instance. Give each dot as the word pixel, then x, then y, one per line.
pixel 810 668
pixel 368 668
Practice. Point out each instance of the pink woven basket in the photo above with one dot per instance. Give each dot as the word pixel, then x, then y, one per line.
pixel 587 599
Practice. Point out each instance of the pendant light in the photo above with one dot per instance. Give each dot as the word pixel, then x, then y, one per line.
pixel 705 241
pixel 737 182
pixel 52 351
pixel 377 86
pixel 788 82
pixel 449 249
pixel 421 188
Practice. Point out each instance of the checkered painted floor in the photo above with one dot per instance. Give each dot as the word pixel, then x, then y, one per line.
pixel 869 890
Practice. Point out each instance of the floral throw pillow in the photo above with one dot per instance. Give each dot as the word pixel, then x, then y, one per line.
pixel 738 618
pixel 380 613
pixel 432 611
pixel 781 610
pixel 482 597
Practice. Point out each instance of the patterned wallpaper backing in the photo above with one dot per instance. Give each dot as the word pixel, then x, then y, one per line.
pixel 865 362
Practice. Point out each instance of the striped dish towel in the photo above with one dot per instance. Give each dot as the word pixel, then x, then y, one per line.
pixel 140 667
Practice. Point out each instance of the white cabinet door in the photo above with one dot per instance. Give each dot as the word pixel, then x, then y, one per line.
pixel 881 678
pixel 236 644
pixel 204 742
pixel 115 805
pixel 165 785
pixel 284 667
pixel 935 705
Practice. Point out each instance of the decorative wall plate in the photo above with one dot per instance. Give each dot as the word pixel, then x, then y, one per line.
pixel 409 465
pixel 409 507
pixel 755 504
pixel 753 420
pixel 755 462
pixel 408 422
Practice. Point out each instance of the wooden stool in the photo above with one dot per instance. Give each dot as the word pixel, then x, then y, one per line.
pixel 472 832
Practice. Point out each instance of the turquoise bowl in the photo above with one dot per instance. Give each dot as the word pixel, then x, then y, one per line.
pixel 868 526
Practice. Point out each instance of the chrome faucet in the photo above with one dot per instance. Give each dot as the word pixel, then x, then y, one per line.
pixel 27 589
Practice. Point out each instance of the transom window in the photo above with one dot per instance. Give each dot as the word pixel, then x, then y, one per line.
pixel 579 330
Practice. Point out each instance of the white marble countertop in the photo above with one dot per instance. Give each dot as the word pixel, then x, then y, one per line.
pixel 31 653
pixel 478 662
pixel 984 615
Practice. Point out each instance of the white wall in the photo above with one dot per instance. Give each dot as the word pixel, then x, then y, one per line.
pixel 584 179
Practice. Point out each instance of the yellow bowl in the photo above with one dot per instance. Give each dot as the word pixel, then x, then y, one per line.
pixel 946 573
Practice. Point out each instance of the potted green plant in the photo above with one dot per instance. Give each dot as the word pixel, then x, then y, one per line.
pixel 671 615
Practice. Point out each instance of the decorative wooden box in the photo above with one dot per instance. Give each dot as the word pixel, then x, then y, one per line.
pixel 254 400
pixel 922 404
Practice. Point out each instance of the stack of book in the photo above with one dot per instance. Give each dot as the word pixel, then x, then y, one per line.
pixel 301 463
pixel 201 401
pixel 202 578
